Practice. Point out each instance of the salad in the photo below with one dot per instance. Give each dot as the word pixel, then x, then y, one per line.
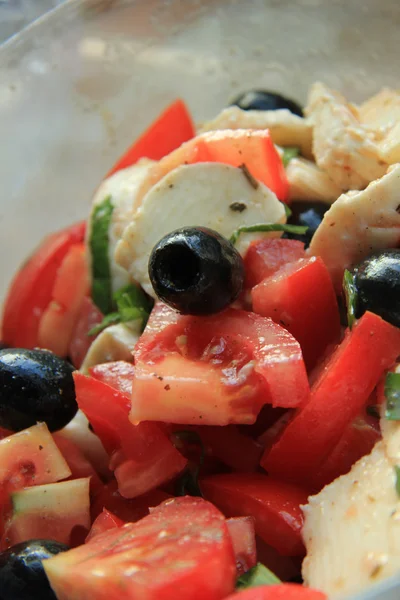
pixel 200 394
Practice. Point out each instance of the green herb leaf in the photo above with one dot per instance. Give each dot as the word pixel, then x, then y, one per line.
pixel 98 244
pixel 392 395
pixel 350 292
pixel 110 319
pixel 266 227
pixel 397 472
pixel 288 211
pixel 188 482
pixel 288 153
pixel 258 575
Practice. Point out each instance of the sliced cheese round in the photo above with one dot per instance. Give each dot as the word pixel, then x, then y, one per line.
pixel 116 342
pixel 207 194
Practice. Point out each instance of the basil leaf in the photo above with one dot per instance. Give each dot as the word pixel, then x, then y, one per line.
pixel 288 211
pixel 258 575
pixel 288 153
pixel 110 319
pixel 265 227
pixel 188 483
pixel 350 292
pixel 392 395
pixel 100 264
pixel 397 485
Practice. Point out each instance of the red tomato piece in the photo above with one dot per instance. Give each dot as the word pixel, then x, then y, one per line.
pixel 31 289
pixel 126 509
pixel 58 320
pixel 232 447
pixel 357 440
pixel 104 522
pixel 241 530
pixel 89 316
pixel 337 396
pixel 300 296
pixel 77 461
pixel 265 256
pixel 250 147
pixel 118 375
pixel 183 547
pixel 142 456
pixel 275 506
pixel 171 129
pixel 214 370
pixel 284 591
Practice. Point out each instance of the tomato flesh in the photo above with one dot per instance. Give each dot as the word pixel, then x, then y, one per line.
pixel 182 547
pixel 284 591
pixel 104 522
pixel 265 256
pixel 89 316
pixel 241 530
pixel 275 506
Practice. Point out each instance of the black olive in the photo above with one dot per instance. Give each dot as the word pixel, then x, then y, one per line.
pixel 196 271
pixel 35 385
pixel 309 214
pixel 22 576
pixel 263 100
pixel 377 281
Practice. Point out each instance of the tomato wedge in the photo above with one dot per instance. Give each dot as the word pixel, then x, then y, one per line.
pixel 284 591
pixel 215 370
pixel 171 129
pixel 337 396
pixel 31 289
pixel 241 530
pixel 275 506
pixel 265 256
pixel 182 549
pixel 142 457
pixel 233 448
pixel 118 374
pixel 104 522
pixel 89 316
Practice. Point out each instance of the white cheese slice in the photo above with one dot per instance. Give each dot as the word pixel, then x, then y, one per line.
pixel 116 342
pixel 200 194
pixel 352 529
pixel 381 114
pixel 342 146
pixel 285 128
pixel 359 223
pixel 122 187
pixel 308 182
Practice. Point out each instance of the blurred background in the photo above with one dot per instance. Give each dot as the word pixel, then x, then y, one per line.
pixel 16 14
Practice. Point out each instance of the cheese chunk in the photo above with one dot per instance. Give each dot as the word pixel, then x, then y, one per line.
pixel 285 128
pixel 309 182
pixel 381 114
pixel 342 146
pixel 202 194
pixel 359 223
pixel 116 342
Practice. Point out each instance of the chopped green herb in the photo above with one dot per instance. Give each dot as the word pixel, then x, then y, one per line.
pixel 350 292
pixel 131 303
pixel 299 229
pixel 98 244
pixel 188 482
pixel 392 395
pixel 258 575
pixel 397 471
pixel 288 211
pixel 288 153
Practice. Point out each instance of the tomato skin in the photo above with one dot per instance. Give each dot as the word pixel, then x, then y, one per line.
pixel 183 364
pixel 300 296
pixel 265 256
pixel 118 375
pixel 183 545
pixel 337 396
pixel 104 522
pixel 274 505
pixel 89 316
pixel 30 291
pixel 284 591
pixel 172 128
pixel 58 320
pixel 232 447
pixel 142 457
pixel 241 530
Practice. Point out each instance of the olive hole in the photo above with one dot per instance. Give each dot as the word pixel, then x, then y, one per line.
pixel 179 267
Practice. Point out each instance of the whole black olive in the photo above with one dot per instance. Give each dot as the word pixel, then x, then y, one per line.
pixel 196 271
pixel 377 281
pixel 22 576
pixel 35 385
pixel 263 100
pixel 309 214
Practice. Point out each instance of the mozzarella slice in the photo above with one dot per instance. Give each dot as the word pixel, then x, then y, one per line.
pixel 122 187
pixel 381 114
pixel 200 194
pixel 285 128
pixel 352 529
pixel 359 223
pixel 342 146
pixel 116 342
pixel 309 182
